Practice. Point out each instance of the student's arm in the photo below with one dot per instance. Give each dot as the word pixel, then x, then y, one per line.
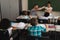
pixel 41 8
pixel 46 27
pixel 30 16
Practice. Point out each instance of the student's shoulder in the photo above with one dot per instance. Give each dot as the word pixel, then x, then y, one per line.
pixel 32 9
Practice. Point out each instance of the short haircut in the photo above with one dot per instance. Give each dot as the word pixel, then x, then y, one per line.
pixel 35 5
pixel 33 21
pixel 5 23
pixel 48 2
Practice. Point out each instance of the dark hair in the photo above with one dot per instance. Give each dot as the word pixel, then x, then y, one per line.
pixel 35 5
pixel 33 21
pixel 24 12
pixel 5 23
pixel 48 2
pixel 46 14
pixel 28 13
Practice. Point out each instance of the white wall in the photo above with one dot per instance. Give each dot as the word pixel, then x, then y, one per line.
pixel 14 8
pixel 10 9
pixel 24 4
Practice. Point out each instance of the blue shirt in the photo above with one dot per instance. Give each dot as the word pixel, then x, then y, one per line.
pixel 36 30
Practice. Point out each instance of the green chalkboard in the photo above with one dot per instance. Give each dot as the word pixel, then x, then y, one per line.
pixel 55 4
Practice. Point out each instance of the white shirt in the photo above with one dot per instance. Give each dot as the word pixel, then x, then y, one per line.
pixel 21 25
pixel 48 9
pixel 10 31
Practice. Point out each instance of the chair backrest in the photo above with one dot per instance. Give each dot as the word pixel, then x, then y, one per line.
pixel 4 35
pixel 24 32
pixel 57 35
pixel 45 34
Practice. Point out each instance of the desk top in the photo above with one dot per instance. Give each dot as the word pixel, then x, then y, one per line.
pixel 22 25
pixel 40 17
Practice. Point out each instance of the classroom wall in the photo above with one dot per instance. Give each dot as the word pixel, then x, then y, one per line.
pixel 55 4
pixel 10 9
pixel 24 4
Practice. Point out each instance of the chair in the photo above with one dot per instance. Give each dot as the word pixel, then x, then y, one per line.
pixel 45 36
pixel 4 35
pixel 52 35
pixel 23 34
pixel 15 34
pixel 57 36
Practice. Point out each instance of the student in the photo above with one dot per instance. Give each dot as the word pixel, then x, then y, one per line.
pixel 25 15
pixel 34 30
pixel 49 8
pixel 5 29
pixel 5 23
pixel 45 16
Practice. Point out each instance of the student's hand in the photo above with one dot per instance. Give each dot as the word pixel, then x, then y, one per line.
pixel 46 27
pixel 30 16
pixel 14 28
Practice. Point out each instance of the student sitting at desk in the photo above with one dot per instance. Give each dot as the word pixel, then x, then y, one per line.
pixel 45 16
pixel 24 16
pixel 5 29
pixel 49 8
pixel 34 30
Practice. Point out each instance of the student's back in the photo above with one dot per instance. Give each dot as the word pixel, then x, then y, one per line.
pixel 4 25
pixel 34 30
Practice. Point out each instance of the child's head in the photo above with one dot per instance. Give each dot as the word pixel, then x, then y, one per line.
pixel 25 13
pixel 48 4
pixel 35 6
pixel 5 23
pixel 34 21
